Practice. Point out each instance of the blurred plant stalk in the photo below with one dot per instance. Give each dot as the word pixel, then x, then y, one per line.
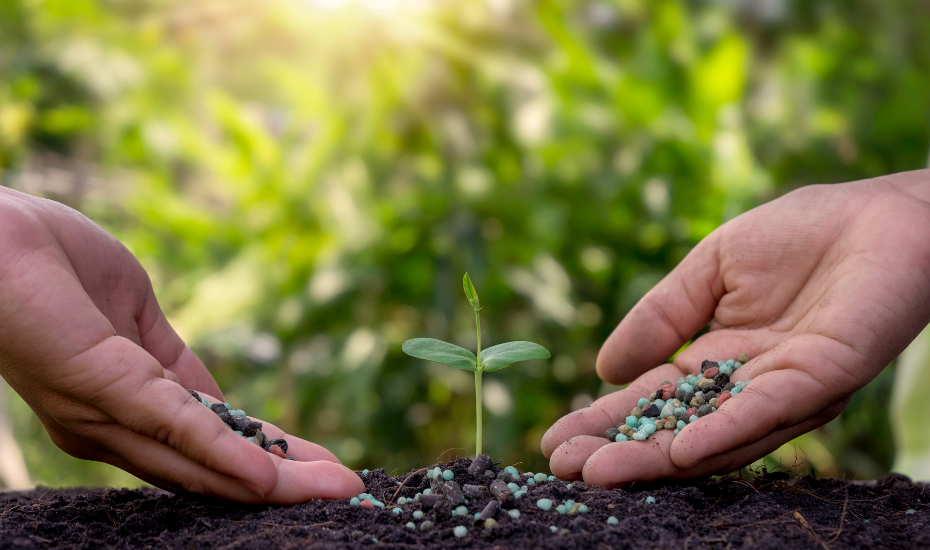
pixel 13 471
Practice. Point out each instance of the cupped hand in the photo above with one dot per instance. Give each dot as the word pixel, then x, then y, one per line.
pixel 821 288
pixel 84 342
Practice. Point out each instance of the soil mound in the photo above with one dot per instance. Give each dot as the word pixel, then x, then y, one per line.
pixel 771 511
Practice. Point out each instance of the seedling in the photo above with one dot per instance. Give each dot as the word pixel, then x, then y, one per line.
pixel 492 359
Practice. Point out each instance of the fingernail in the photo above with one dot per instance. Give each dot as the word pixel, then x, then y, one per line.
pixel 254 487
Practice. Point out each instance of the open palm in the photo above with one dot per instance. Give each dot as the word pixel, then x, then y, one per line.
pixel 822 288
pixel 84 342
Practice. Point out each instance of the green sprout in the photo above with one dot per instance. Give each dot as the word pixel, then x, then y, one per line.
pixel 492 359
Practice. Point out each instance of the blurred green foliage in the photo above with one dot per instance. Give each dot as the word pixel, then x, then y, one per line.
pixel 306 182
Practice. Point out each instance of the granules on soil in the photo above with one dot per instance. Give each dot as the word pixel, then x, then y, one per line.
pixel 674 406
pixel 771 511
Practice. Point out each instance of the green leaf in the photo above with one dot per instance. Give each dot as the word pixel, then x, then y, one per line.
pixel 440 352
pixel 470 293
pixel 504 355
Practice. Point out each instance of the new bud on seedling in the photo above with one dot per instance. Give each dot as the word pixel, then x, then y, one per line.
pixel 494 358
pixel 470 293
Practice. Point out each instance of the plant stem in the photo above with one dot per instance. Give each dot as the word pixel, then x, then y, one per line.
pixel 478 372
pixel 478 411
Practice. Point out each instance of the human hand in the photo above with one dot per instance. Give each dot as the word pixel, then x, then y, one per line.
pixel 84 342
pixel 822 288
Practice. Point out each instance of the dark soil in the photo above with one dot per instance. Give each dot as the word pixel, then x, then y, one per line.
pixel 763 512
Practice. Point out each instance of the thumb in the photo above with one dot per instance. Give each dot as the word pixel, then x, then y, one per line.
pixel 160 340
pixel 665 318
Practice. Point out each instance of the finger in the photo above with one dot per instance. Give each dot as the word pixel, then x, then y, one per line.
pixel 567 461
pixel 300 449
pixel 619 464
pixel 608 411
pixel 666 317
pixel 168 469
pixel 164 467
pixel 302 481
pixel 141 400
pixel 163 343
pixel 790 384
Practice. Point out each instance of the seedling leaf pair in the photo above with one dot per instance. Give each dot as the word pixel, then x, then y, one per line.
pixel 492 359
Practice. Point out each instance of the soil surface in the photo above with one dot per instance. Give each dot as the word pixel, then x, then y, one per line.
pixel 770 511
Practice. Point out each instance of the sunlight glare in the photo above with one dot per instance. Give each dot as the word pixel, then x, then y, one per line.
pixel 385 7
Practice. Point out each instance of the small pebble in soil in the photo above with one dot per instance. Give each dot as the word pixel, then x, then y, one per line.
pixel 354 501
pixel 612 521
pixel 418 515
pixel 583 509
pixel 426 526
pixel 448 475
pixel 540 477
pixel 411 525
pixel 365 472
pixel 553 528
pixel 515 514
pixel 544 504
pixel 911 511
pixel 460 531
pixel 561 509
pixel 397 510
pixel 489 524
pixel 650 500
